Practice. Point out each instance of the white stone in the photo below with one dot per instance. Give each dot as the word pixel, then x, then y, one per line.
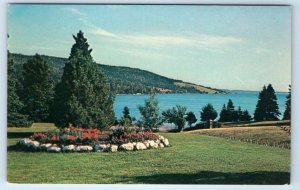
pixel 161 137
pixel 45 146
pixel 24 141
pixel 166 142
pixel 146 143
pixel 83 148
pixel 127 146
pixel 113 148
pixel 53 149
pixel 161 145
pixel 69 148
pixel 153 144
pixel 134 143
pixel 101 147
pixel 140 146
pixel 157 141
pixel 34 144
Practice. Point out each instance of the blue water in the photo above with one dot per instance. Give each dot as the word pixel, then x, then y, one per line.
pixel 194 102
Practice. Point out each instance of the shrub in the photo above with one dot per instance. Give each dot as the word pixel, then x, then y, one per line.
pixel 131 134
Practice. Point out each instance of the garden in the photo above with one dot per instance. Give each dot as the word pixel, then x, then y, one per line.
pixel 75 139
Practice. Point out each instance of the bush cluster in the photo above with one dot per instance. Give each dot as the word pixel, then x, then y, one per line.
pixel 123 135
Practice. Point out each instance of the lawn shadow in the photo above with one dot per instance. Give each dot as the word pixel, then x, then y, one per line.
pixel 211 177
pixel 16 148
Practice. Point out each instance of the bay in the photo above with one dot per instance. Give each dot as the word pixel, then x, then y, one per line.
pixel 247 100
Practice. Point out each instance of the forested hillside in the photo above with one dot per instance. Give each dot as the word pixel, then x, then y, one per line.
pixel 124 80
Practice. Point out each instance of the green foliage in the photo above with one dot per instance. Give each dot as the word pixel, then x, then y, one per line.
pixel 14 105
pixel 190 118
pixel 267 108
pixel 229 114
pixel 175 115
pixel 208 113
pixel 245 116
pixel 126 120
pixel 37 89
pixel 83 97
pixel 287 112
pixel 122 80
pixel 150 112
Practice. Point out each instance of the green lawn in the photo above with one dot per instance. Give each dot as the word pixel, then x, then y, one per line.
pixel 192 159
pixel 36 127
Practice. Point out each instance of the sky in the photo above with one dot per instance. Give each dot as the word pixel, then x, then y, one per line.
pixel 226 47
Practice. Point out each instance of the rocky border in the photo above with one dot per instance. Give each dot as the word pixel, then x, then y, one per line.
pixel 28 144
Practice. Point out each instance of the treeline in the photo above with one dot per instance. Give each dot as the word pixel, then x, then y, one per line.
pixel 122 80
pixel 266 110
pixel 81 98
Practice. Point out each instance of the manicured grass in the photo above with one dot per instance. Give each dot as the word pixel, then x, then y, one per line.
pixel 270 135
pixel 192 159
pixel 36 127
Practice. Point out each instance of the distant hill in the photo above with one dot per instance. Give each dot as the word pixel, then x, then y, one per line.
pixel 125 80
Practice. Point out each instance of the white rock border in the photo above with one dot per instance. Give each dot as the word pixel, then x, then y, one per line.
pixel 31 145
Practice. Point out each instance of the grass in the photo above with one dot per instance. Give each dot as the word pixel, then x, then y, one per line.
pixel 270 135
pixel 192 159
pixel 14 132
pixel 36 127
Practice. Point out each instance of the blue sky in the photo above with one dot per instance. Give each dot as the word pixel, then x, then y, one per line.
pixel 231 47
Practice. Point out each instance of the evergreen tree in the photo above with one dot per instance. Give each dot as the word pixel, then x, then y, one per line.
pixel 190 118
pixel 287 112
pixel 272 109
pixel 175 115
pixel 245 116
pixel 14 105
pixel 223 114
pixel 37 89
pixel 259 114
pixel 83 97
pixel 228 114
pixel 126 120
pixel 267 108
pixel 236 115
pixel 150 112
pixel 208 113
pixel 230 105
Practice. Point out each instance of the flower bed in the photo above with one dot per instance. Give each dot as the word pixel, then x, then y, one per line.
pixel 85 140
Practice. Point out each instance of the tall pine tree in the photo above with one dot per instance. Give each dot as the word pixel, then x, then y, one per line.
pixel 14 105
pixel 83 97
pixel 267 108
pixel 287 112
pixel 37 89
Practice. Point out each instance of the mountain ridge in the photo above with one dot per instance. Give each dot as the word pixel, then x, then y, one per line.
pixel 124 79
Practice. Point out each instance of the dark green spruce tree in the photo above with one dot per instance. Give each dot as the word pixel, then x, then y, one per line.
pixel 245 116
pixel 228 114
pixel 267 108
pixel 208 113
pixel 37 89
pixel 14 105
pixel 287 112
pixel 260 110
pixel 83 97
pixel 126 120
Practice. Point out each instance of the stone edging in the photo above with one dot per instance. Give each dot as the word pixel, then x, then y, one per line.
pixel 148 144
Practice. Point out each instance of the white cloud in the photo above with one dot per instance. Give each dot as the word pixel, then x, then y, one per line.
pixel 75 11
pixel 211 43
pixel 194 40
pixel 101 32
